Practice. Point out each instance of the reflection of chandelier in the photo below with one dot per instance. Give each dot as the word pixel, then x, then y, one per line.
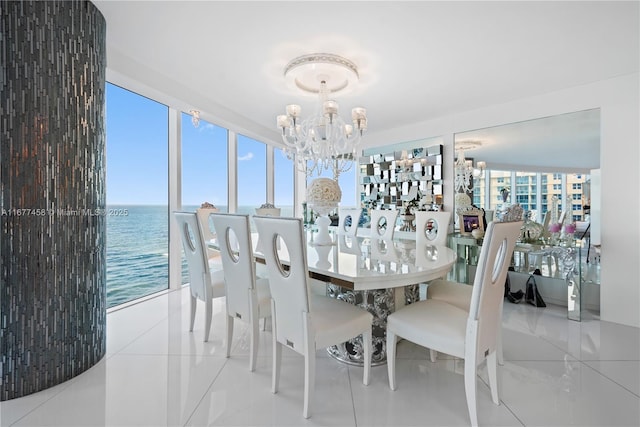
pixel 324 140
pixel 465 172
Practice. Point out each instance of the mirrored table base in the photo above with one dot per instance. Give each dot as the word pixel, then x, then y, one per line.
pixel 380 303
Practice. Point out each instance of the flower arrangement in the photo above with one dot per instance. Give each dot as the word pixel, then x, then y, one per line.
pixel 267 206
pixel 570 228
pixel 555 228
pixel 324 191
pixel 207 205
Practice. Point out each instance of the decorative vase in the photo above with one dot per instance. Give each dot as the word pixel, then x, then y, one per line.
pixel 323 195
pixel 504 194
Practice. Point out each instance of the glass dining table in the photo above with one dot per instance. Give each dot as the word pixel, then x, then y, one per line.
pixel 377 275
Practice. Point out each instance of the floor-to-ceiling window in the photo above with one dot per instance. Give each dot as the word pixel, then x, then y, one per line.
pixel 537 193
pixel 498 181
pixel 526 192
pixel 283 183
pixel 252 173
pixel 204 165
pixel 204 169
pixel 137 207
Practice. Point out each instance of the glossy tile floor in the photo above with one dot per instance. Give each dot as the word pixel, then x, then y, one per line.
pixel 556 373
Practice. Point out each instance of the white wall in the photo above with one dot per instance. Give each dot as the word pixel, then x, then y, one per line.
pixel 618 100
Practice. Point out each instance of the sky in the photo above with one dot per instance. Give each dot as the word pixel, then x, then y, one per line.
pixel 137 158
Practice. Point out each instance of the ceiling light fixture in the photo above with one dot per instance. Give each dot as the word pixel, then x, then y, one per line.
pixel 195 117
pixel 464 170
pixel 324 140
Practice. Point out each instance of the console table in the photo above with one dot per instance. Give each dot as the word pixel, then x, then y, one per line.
pixel 563 262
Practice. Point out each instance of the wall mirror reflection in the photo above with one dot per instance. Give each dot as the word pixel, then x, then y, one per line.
pixel 544 164
pixel 550 166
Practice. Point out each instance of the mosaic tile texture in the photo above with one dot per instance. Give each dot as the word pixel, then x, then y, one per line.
pixel 52 193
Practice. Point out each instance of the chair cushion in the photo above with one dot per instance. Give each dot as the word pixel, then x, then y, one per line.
pixel 432 324
pixel 336 321
pixel 458 294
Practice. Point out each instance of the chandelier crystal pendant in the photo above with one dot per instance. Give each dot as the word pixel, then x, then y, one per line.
pixel 464 170
pixel 324 140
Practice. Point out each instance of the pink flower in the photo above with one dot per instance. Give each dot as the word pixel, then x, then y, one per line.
pixel 570 228
pixel 555 228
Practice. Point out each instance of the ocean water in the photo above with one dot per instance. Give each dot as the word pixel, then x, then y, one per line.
pixel 138 250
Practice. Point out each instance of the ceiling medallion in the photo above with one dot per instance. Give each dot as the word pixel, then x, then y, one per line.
pixel 307 71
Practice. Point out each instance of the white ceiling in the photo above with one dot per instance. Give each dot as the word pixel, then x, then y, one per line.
pixel 417 60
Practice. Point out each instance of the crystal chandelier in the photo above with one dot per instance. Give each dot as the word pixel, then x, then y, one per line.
pixel 464 170
pixel 322 141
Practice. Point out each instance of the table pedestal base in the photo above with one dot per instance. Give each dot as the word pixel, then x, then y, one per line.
pixel 379 302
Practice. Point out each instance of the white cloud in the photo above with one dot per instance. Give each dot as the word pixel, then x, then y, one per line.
pixel 249 156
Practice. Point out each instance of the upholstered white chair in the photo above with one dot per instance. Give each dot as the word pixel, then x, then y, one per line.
pixel 459 294
pixel 302 321
pixel 204 285
pixel 470 335
pixel 432 228
pixel 204 218
pixel 383 223
pixel 348 220
pixel 248 297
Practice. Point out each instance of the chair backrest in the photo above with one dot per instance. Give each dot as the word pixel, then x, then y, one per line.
pixel 485 310
pixel 234 240
pixel 383 250
pixel 195 250
pixel 432 228
pixel 383 223
pixel 289 287
pixel 348 220
pixel 205 223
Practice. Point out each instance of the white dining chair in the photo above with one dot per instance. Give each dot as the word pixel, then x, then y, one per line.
pixel 204 285
pixel 383 223
pixel 348 220
pixel 248 297
pixel 208 233
pixel 470 335
pixel 459 294
pixel 302 321
pixel 432 228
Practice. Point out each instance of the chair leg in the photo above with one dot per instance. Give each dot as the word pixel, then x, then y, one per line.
pixel 254 321
pixel 391 358
pixel 230 321
pixel 277 363
pixel 208 309
pixel 470 388
pixel 309 381
pixel 255 337
pixel 277 352
pixel 367 339
pixel 433 355
pixel 492 371
pixel 192 313
pixel 500 354
pixel 309 367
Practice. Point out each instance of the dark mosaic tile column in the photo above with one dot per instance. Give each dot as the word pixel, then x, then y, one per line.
pixel 52 193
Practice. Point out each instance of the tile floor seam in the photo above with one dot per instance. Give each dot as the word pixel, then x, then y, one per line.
pixel 609 378
pixel 204 394
pixel 353 401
